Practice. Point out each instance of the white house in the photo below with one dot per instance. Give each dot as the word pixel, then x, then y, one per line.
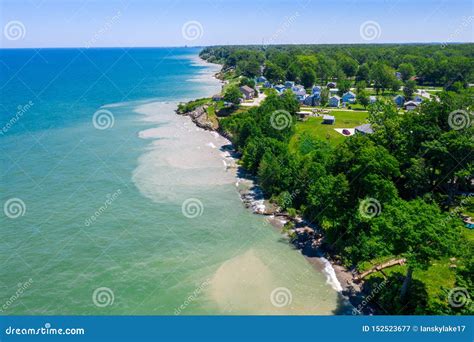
pixel 411 105
pixel 349 97
pixel 334 101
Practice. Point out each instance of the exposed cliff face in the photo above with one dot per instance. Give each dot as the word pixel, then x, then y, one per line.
pixel 200 117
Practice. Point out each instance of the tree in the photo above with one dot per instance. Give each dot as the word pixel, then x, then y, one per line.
pixel 409 89
pixel 406 70
pixel 324 97
pixel 363 97
pixel 232 95
pixel 343 84
pixel 307 77
pixel 363 73
pixel 249 68
pixel 247 81
pixel 383 76
pixel 417 231
pixel 273 72
pixel 348 65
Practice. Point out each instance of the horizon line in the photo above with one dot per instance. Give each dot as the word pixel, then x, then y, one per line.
pixel 212 45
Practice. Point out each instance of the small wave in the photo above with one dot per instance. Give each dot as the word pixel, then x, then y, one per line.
pixel 331 278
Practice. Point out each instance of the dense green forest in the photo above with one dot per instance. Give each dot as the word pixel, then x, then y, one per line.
pixel 394 193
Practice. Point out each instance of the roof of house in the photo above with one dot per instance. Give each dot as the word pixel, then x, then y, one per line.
pixel 399 96
pixel 335 97
pixel 349 93
pixel 365 128
pixel 328 117
pixel 246 89
pixel 372 97
pixel 411 103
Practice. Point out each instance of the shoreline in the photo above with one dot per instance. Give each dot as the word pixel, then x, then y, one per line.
pixel 309 239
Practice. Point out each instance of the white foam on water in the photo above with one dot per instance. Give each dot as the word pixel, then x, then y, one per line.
pixel 331 278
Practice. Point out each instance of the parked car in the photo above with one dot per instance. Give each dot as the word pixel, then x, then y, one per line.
pixel 346 132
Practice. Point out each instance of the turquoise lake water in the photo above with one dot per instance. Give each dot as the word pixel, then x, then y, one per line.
pixel 130 210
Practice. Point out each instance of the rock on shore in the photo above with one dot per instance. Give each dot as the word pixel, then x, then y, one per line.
pixel 200 117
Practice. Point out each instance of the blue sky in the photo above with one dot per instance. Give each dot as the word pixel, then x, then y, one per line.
pixel 108 23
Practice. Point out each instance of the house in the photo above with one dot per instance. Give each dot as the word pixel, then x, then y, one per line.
pixel 331 85
pixel 299 92
pixel 217 97
pixel 333 91
pixel 316 90
pixel 309 100
pixel 411 105
pixel 399 100
pixel 334 101
pixel 364 129
pixel 372 99
pixel 289 84
pixel 261 79
pixel 303 115
pixel 349 97
pixel 418 99
pixel 267 84
pixel 398 75
pixel 247 92
pixel 329 119
pixel 279 88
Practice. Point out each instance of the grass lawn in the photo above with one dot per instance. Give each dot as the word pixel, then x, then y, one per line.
pixel 315 127
pixel 437 277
